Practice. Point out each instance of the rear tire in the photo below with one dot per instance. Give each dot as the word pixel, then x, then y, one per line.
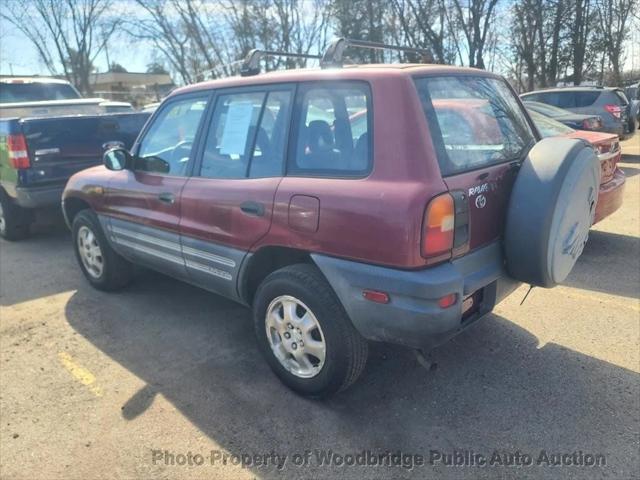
pixel 14 220
pixel 322 371
pixel 103 267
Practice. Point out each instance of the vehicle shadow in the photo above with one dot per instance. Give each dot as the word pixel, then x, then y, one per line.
pixel 602 268
pixel 630 158
pixel 45 252
pixel 494 388
pixel 630 171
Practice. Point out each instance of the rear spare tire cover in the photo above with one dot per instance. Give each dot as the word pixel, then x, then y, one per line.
pixel 551 210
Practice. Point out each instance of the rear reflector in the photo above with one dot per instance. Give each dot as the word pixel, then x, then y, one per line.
pixel 17 148
pixel 448 300
pixel 438 226
pixel 375 296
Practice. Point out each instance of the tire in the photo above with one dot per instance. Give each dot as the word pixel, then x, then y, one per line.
pixel 115 272
pixel 551 210
pixel 345 353
pixel 14 220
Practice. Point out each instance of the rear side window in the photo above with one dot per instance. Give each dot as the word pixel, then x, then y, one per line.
pixel 333 133
pixel 475 122
pixel 586 99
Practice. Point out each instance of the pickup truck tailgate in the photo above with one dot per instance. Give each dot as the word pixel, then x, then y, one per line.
pixel 59 147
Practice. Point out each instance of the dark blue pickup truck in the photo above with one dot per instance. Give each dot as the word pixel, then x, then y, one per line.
pixel 38 154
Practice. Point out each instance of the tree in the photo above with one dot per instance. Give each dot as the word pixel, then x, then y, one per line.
pixel 117 68
pixel 614 23
pixel 580 30
pixel 474 18
pixel 67 34
pixel 156 68
pixel 424 25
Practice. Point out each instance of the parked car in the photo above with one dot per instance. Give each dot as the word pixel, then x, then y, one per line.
pixel 610 104
pixel 42 97
pixel 39 154
pixel 570 119
pixel 407 229
pixel 612 179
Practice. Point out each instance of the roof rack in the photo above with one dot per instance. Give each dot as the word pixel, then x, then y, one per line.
pixel 251 63
pixel 333 55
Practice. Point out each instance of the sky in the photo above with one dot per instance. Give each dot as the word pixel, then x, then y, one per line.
pixel 19 57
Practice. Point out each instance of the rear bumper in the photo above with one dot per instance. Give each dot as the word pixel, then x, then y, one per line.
pixel 610 196
pixel 37 197
pixel 413 316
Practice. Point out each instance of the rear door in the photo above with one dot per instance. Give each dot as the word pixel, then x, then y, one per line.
pixel 481 135
pixel 227 204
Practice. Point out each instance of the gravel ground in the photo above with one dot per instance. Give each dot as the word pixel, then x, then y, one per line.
pixel 152 381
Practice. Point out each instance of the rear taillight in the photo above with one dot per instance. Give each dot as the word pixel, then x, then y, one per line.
pixel 438 228
pixel 17 148
pixel 615 110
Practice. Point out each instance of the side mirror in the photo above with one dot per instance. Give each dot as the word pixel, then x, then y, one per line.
pixel 117 159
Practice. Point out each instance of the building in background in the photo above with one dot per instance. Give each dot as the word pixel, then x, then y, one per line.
pixel 137 88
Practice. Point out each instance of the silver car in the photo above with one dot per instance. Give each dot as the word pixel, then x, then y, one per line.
pixel 608 103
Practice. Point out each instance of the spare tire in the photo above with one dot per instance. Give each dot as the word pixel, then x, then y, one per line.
pixel 551 210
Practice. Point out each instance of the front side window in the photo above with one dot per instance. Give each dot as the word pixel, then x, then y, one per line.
pixel 247 136
pixel 166 147
pixel 333 134
pixel 475 122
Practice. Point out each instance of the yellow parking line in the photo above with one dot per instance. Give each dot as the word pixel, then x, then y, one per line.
pixel 80 373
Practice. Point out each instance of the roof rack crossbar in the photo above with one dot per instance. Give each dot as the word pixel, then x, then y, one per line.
pixel 333 55
pixel 251 63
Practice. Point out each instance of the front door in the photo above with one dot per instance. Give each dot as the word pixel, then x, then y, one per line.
pixel 227 204
pixel 142 210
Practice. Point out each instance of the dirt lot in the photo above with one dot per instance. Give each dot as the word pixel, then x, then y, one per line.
pixel 134 384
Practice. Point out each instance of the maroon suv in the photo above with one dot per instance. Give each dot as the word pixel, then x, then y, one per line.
pixel 341 205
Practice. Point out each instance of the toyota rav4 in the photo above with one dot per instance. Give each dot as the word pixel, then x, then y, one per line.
pixel 395 203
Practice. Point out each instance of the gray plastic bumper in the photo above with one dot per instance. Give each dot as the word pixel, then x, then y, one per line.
pixel 413 316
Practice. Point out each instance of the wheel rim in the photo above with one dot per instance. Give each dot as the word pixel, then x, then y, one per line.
pixel 295 336
pixel 2 222
pixel 90 252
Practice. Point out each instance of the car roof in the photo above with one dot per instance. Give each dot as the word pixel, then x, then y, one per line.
pixel 348 72
pixel 573 89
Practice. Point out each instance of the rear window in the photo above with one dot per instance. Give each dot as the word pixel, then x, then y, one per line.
pixel 621 97
pixel 475 122
pixel 566 99
pixel 36 92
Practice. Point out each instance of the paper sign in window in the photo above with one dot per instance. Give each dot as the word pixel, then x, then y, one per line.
pixel 236 128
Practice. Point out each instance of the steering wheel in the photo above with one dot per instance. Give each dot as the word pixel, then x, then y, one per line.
pixel 178 159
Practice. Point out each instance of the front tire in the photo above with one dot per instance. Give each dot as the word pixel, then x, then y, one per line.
pixel 103 267
pixel 305 334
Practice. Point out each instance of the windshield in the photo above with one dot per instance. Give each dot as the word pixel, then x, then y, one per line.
pixel 475 121
pixel 548 127
pixel 36 92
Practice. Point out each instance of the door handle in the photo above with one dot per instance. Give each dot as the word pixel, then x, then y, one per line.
pixel 167 197
pixel 252 208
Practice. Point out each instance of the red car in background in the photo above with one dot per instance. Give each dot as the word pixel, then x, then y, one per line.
pixel 609 152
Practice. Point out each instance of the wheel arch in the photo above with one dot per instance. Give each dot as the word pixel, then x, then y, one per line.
pixel 71 207
pixel 266 260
